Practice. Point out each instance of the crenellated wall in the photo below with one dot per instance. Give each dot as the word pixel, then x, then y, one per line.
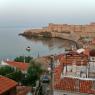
pixel 82 30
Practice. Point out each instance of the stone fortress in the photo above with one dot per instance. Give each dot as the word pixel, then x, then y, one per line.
pixel 82 30
pixel 66 31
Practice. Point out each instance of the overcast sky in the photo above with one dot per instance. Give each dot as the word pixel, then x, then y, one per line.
pixel 38 13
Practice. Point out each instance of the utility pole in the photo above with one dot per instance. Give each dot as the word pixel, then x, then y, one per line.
pixel 52 74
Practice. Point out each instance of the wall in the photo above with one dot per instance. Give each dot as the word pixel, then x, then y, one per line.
pixel 79 29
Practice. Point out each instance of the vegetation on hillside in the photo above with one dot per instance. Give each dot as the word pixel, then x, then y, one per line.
pixel 33 74
pixel 6 70
pixel 29 78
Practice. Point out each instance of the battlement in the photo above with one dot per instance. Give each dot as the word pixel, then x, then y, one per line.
pixel 75 28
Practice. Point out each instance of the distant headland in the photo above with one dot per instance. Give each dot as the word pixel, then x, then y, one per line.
pixel 64 31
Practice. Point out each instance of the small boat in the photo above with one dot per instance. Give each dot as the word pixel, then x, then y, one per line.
pixel 28 48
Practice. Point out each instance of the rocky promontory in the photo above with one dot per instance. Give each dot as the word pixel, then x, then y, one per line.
pixel 51 34
pixel 29 34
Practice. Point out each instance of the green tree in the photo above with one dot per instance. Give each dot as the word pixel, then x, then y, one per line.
pixel 30 78
pixel 34 72
pixel 6 70
pixel 16 75
pixel 22 58
pixel 11 73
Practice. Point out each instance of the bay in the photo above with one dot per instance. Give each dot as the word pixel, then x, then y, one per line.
pixel 12 45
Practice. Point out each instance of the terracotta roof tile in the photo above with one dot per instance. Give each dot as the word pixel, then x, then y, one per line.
pixel 19 65
pixel 70 84
pixel 70 57
pixel 6 84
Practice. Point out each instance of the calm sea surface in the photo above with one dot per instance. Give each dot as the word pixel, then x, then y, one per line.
pixel 12 45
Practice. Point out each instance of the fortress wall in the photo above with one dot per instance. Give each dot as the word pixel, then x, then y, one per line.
pixel 76 28
pixel 38 30
pixel 88 29
pixel 68 30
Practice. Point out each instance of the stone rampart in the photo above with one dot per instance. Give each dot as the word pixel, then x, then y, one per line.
pixel 71 32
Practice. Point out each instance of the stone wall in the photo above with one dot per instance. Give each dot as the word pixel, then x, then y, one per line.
pixel 81 30
pixel 66 31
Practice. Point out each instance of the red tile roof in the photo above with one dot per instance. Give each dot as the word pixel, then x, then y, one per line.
pixel 58 69
pixel 6 84
pixel 79 59
pixel 18 65
pixel 76 85
pixel 70 84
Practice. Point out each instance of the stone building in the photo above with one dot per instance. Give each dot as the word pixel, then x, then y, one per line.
pixel 82 30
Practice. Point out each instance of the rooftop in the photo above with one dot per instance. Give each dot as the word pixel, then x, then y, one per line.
pixel 6 84
pixel 19 65
pixel 75 78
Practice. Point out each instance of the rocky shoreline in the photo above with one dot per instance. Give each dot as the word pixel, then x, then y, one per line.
pixel 30 34
pixel 33 34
